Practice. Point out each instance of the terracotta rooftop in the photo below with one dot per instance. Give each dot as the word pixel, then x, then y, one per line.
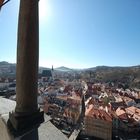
pixel 75 97
pixel 120 111
pixel 127 99
pixel 97 114
pixel 133 110
pixel 63 97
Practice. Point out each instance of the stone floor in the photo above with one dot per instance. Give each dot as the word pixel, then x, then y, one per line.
pixel 46 131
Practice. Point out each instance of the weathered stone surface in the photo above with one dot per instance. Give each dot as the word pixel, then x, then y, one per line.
pixel 27 116
pixel 6 105
pixel 46 131
pixel 4 134
pixel 27 57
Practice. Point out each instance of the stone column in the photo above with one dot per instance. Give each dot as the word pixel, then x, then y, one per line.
pixel 26 113
pixel 27 57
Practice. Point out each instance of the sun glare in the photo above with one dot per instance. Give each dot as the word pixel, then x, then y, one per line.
pixel 44 10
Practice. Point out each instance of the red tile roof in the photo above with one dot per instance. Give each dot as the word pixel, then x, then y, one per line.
pixel 98 114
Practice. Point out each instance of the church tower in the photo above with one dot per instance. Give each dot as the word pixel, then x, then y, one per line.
pixel 52 71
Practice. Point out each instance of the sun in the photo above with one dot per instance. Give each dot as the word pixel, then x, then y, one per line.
pixel 44 10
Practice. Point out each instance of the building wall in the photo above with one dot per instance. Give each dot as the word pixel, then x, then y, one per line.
pixel 98 128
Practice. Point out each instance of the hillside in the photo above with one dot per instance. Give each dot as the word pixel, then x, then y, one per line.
pixel 7 68
pixel 129 75
pixel 62 68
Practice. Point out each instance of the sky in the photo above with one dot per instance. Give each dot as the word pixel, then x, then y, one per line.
pixel 78 33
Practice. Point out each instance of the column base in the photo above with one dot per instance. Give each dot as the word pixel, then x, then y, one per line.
pixel 20 124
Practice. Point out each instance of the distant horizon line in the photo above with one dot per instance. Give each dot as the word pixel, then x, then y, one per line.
pixel 79 68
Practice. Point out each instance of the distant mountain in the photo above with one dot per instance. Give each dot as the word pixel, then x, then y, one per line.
pixel 63 69
pixel 7 68
pixel 4 63
pixel 111 68
pixel 129 75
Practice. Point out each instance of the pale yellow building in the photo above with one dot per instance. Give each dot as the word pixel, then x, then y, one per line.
pixel 97 123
